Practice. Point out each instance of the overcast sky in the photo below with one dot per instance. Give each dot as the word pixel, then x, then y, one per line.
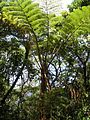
pixel 62 4
pixel 65 3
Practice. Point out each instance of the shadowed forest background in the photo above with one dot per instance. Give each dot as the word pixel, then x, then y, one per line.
pixel 44 61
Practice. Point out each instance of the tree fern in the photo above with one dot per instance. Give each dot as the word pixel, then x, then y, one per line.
pixel 25 14
pixel 77 21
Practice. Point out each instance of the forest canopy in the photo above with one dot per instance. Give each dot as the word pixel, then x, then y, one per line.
pixel 44 61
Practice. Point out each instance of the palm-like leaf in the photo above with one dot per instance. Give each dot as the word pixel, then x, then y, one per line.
pixel 26 15
pixel 78 22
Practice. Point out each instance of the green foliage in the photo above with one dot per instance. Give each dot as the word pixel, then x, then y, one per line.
pixel 58 43
pixel 78 4
pixel 24 14
pixel 78 22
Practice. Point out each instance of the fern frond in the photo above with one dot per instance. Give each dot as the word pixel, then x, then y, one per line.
pixel 78 22
pixel 24 13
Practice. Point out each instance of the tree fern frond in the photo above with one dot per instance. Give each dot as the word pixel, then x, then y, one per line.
pixel 33 12
pixel 2 4
pixel 25 13
pixel 30 7
pixel 24 3
pixel 78 22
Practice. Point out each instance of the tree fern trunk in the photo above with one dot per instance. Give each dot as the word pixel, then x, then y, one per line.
pixel 45 85
pixel 43 89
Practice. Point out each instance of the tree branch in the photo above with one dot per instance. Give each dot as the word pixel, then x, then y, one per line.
pixel 11 88
pixel 18 75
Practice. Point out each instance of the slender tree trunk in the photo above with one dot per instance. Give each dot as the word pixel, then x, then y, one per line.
pixel 17 77
pixel 45 85
pixel 85 75
pixel 11 88
pixel 42 92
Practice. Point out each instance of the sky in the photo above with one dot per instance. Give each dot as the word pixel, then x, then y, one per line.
pixel 61 4
pixel 65 3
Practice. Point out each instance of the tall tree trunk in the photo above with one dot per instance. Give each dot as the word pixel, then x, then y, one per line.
pixel 42 92
pixel 45 85
pixel 85 75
